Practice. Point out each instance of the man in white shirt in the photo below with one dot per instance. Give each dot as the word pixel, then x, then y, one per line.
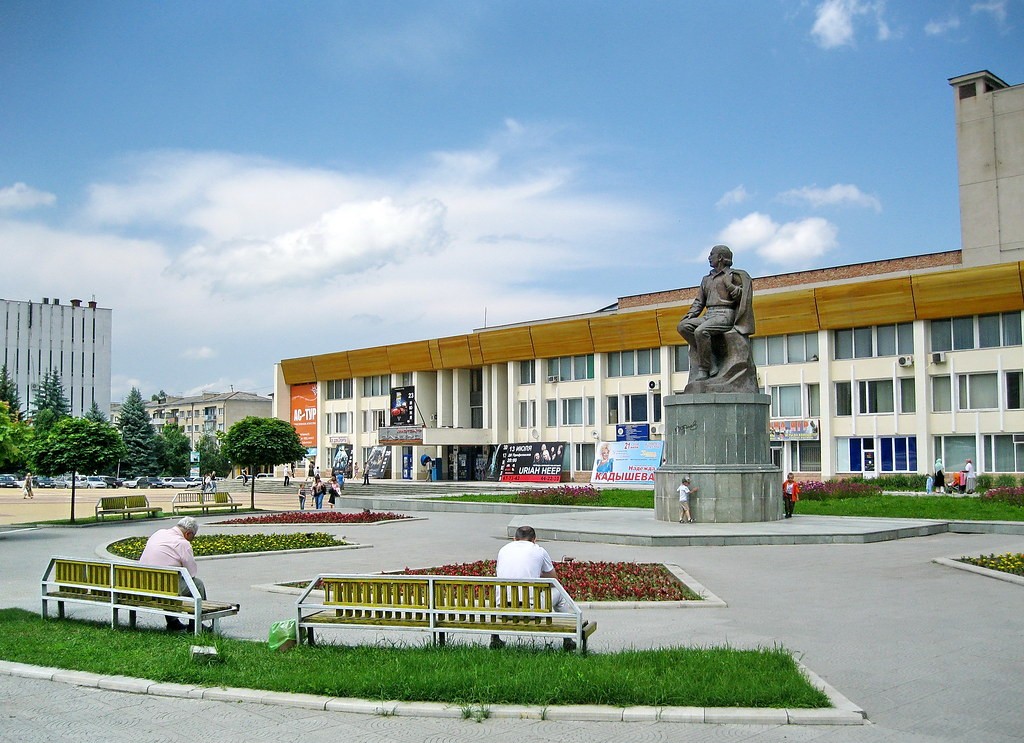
pixel 172 548
pixel 525 559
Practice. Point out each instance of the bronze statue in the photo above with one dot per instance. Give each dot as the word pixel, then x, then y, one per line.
pixel 720 355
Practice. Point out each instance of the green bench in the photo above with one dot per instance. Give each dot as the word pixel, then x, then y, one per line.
pixel 130 587
pixel 438 605
pixel 124 505
pixel 194 500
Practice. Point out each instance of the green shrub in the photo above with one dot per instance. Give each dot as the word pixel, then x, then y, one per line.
pixel 1006 481
pixel 897 483
pixel 984 482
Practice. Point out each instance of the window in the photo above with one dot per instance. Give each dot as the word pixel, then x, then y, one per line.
pixel 342 423
pixel 1004 452
pixel 813 402
pixel 977 391
pixel 1014 390
pixel 528 372
pixel 374 419
pixel 613 410
pixel 955 450
pixel 898 453
pixel 807 456
pixel 527 414
pixel 882 340
pixel 376 386
pixel 571 411
pixel 983 331
pixel 584 454
pixel 942 395
pixel 844 398
pixel 786 402
pixel 632 363
pixel 566 368
pixel 681 358
pixel 785 349
pixel 908 395
pixel 338 389
pixel 875 396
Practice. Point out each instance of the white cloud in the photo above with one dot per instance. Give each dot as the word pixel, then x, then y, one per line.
pixel 21 196
pixel 838 194
pixel 835 21
pixel 736 196
pixel 995 8
pixel 940 27
pixel 793 245
pixel 199 353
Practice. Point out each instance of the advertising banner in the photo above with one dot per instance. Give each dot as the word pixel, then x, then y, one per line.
pixel 633 432
pixel 534 462
pixel 795 430
pixel 625 462
pixel 342 460
pixel 400 435
pixel 304 413
pixel 403 406
pixel 379 462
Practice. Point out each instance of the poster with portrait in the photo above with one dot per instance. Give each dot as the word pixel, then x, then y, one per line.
pixel 378 464
pixel 403 405
pixel 627 462
pixel 342 460
pixel 539 461
pixel 303 410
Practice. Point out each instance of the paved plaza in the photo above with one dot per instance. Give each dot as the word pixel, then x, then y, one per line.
pixel 930 653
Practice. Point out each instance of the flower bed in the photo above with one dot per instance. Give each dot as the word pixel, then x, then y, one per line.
pixel 229 544
pixel 593 581
pixel 814 490
pixel 563 495
pixel 1011 562
pixel 1014 496
pixel 319 517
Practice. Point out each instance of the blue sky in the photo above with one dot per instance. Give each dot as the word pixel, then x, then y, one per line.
pixel 244 182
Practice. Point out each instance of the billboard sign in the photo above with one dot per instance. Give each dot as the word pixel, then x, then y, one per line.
pixel 623 462
pixel 633 432
pixel 794 430
pixel 539 461
pixel 303 405
pixel 403 405
pixel 378 464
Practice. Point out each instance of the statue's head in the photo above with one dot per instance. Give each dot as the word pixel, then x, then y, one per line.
pixel 720 254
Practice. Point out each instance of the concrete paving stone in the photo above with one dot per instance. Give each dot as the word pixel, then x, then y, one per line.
pixel 745 716
pixel 80 678
pixel 125 683
pixel 180 691
pixel 516 712
pixel 289 699
pixel 641 714
pixel 359 706
pixel 231 694
pixel 592 712
pixel 428 709
pixel 824 717
pixel 682 714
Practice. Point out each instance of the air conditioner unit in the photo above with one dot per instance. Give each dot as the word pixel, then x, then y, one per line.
pixel 655 430
pixel 554 378
pixel 905 361
pixel 938 357
pixel 654 384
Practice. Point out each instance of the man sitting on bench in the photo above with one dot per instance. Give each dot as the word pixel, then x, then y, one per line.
pixel 172 548
pixel 524 559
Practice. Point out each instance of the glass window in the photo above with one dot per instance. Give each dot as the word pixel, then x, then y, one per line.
pixel 908 395
pixel 942 395
pixel 863 347
pixel 628 364
pixel 527 372
pixel 844 398
pixel 643 361
pixel 963 333
pixel 572 411
pixel 905 338
pixel 886 340
pixel 552 413
pixel 584 456
pixel 989 335
pixel 808 456
pixel 1014 390
pixel 977 391
pixel 613 409
pixel 760 350
pixel 844 344
pixel 528 414
pixel 956 450
pixel 1011 329
pixel 795 348
pixel 636 408
pixel 811 340
pixel 813 400
pixel 786 401
pixel 776 349
pixel 942 335
pixel 681 356
pixel 875 396
pixel 615 365
pixel 591 410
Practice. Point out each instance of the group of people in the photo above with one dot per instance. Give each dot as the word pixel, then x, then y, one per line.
pixel 790 495
pixel 963 481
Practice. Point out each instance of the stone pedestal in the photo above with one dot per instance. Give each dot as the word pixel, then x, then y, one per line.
pixel 720 440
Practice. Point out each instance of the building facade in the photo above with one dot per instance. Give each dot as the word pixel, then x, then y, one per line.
pixel 73 338
pixel 207 413
pixel 872 368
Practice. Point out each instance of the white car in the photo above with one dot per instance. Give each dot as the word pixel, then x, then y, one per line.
pixel 94 482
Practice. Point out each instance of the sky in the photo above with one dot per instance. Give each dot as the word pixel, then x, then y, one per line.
pixel 245 182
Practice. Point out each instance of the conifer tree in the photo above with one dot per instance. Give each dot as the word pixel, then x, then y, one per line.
pixel 9 393
pixel 50 404
pixel 139 437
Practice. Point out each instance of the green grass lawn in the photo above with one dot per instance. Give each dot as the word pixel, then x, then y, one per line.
pixel 460 674
pixel 610 498
pixel 942 507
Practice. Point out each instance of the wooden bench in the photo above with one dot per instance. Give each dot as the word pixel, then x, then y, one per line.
pixel 192 500
pixel 130 587
pixel 438 605
pixel 125 505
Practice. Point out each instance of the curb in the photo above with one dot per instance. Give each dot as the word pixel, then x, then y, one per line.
pixel 843 711
pixel 951 562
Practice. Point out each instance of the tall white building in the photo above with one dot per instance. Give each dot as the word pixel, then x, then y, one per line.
pixel 72 338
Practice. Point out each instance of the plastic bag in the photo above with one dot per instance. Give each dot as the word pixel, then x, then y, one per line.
pixel 282 635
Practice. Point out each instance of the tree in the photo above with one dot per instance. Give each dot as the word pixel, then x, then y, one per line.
pixel 139 437
pixel 9 393
pixel 211 458
pixel 77 445
pixel 50 404
pixel 256 442
pixel 95 414
pixel 15 439
pixel 175 450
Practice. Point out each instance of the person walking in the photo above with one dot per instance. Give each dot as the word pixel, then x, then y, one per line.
pixel 26 489
pixel 940 477
pixel 790 494
pixel 366 474
pixel 319 490
pixel 287 474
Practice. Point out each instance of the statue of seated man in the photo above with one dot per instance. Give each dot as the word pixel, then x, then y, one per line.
pixel 720 355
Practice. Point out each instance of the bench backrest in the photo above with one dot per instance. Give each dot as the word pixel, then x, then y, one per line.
pixel 164 581
pixel 136 501
pixel 222 498
pixel 397 593
pixel 83 573
pixel 112 502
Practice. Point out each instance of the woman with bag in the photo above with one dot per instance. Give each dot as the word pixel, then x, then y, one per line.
pixel 319 490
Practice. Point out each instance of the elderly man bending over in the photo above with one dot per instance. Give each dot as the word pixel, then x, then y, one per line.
pixel 524 559
pixel 172 548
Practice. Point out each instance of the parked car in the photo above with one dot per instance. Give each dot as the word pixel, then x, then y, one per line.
pixel 112 482
pixel 179 483
pixel 43 482
pixel 8 481
pixel 95 482
pixel 144 482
